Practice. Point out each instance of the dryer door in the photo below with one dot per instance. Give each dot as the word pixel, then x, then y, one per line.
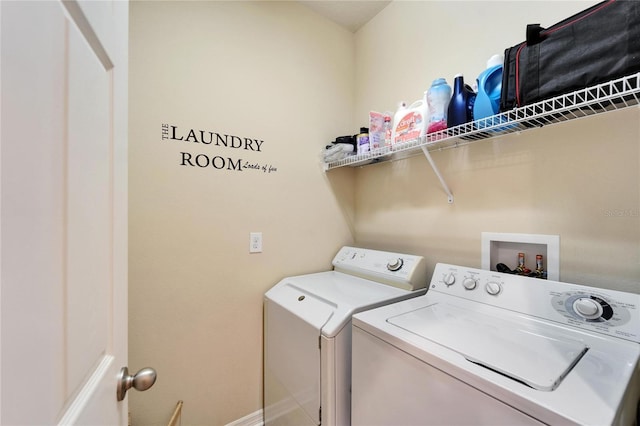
pixel 293 320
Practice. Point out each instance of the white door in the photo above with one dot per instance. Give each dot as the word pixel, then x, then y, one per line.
pixel 63 203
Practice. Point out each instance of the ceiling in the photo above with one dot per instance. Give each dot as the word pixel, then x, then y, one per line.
pixel 349 14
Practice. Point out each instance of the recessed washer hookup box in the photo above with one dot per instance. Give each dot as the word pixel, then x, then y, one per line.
pixel 504 248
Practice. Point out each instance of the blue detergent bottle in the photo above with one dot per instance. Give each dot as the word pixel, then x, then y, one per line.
pixel 489 89
pixel 461 106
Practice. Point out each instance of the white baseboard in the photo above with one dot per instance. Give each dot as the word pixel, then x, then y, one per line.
pixel 253 419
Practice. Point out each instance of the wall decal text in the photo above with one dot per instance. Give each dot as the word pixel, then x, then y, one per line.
pixel 210 139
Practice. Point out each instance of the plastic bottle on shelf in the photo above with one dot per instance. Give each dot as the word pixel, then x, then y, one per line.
pixel 438 97
pixel 410 123
pixel 489 89
pixel 362 141
pixel 402 107
pixel 387 129
pixel 460 108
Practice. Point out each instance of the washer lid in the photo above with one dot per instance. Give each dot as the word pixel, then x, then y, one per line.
pixel 535 354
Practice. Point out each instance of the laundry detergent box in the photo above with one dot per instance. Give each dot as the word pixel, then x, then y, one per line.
pixel 378 129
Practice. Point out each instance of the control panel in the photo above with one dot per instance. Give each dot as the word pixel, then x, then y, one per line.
pixel 405 271
pixel 605 311
pixel 465 282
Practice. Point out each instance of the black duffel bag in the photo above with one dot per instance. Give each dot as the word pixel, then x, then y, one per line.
pixel 597 45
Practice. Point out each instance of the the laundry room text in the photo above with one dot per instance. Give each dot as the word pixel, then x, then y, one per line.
pixel 218 161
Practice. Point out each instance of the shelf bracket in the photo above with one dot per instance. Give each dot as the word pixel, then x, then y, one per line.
pixel 437 172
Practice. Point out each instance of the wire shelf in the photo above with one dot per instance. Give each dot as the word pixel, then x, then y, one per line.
pixel 613 95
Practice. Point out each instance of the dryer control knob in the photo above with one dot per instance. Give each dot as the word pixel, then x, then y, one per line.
pixel 469 283
pixel 493 288
pixel 587 308
pixel 395 265
pixel 449 279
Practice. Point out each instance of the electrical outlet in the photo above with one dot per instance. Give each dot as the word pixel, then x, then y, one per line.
pixel 255 242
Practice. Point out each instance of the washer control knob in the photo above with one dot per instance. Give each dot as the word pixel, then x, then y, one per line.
pixel 395 264
pixel 493 288
pixel 587 308
pixel 449 279
pixel 469 283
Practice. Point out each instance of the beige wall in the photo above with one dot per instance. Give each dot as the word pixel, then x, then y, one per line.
pixel 276 72
pixel 269 71
pixel 579 180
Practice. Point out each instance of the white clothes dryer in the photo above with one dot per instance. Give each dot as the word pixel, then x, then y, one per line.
pixel 485 348
pixel 307 332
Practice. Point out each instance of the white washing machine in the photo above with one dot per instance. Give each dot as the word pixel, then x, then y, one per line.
pixel 485 348
pixel 307 327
